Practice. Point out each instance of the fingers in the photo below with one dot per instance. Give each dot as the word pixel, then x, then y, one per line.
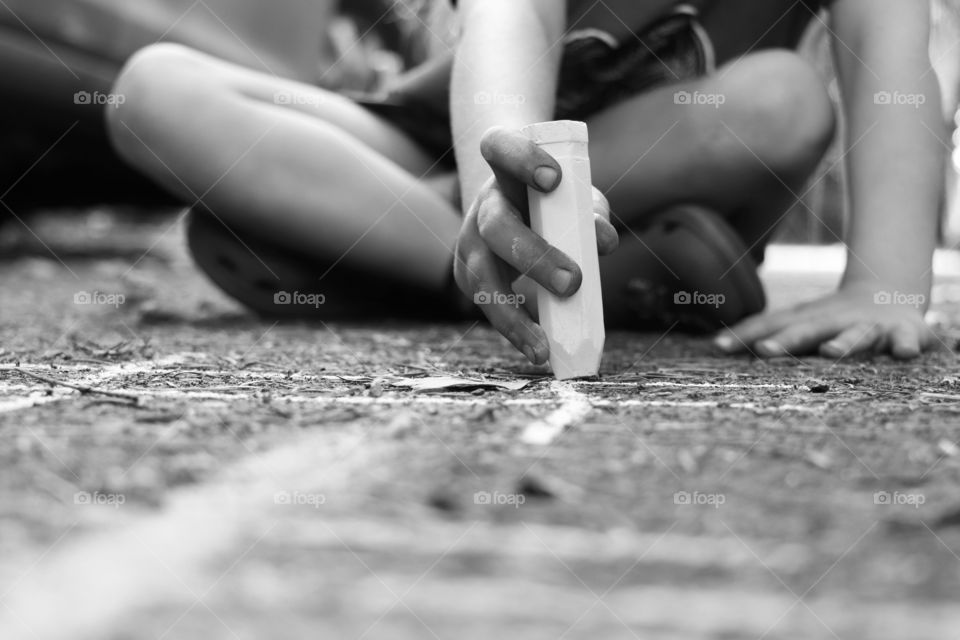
pixel 744 334
pixel 607 237
pixel 518 162
pixel 906 342
pixel 859 338
pixel 514 323
pixel 835 327
pixel 601 206
pixel 797 339
pixel 517 245
pixel 480 276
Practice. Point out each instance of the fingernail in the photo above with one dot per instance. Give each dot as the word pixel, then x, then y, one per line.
pixel 541 351
pixel 561 280
pixel 724 342
pixel 529 352
pixel 546 178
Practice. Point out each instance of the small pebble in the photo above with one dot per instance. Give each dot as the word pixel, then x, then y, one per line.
pixel 376 387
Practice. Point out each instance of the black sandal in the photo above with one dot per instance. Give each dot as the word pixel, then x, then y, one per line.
pixel 687 268
pixel 278 283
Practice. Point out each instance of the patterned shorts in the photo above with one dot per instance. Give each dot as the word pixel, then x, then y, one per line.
pixel 596 72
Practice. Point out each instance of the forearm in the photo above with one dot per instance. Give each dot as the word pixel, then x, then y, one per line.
pixel 896 152
pixel 504 75
pixel 896 182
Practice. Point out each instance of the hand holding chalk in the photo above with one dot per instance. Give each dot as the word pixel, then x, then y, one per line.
pixel 564 218
pixel 495 246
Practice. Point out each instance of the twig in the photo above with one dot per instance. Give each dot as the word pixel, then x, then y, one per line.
pixel 81 388
pixel 939 396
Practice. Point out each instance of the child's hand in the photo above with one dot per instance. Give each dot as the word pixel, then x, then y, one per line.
pixel 855 319
pixel 496 246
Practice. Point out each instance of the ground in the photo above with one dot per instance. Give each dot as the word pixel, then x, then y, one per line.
pixel 212 475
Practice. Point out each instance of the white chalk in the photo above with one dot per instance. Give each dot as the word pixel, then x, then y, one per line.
pixel 564 218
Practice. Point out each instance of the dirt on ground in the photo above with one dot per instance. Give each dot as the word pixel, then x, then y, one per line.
pixel 174 467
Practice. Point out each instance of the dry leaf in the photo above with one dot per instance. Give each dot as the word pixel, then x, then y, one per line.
pixel 449 383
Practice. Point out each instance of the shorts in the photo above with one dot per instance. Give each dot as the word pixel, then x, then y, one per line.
pixel 596 72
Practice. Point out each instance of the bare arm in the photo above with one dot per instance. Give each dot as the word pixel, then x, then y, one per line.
pixel 896 153
pixel 505 74
pixel 505 77
pixel 895 133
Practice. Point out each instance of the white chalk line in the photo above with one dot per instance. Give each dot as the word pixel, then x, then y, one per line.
pixel 574 408
pixel 166 366
pixel 25 396
pixel 41 393
pixel 428 401
pixel 691 385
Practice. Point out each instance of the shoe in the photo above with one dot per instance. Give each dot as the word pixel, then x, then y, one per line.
pixel 688 268
pixel 279 283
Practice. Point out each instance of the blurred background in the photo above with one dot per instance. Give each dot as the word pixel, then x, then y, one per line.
pixel 58 58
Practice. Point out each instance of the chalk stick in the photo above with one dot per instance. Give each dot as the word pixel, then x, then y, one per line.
pixel 564 218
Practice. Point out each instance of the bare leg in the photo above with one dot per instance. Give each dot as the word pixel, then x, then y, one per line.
pixel 285 161
pixel 281 38
pixel 743 145
pixel 747 158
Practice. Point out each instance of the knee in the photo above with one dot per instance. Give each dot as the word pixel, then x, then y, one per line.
pixel 151 85
pixel 778 106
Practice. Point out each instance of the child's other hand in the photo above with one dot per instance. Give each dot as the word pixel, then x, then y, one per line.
pixel 496 246
pixel 855 319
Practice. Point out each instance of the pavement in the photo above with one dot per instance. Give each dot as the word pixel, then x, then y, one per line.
pixel 172 467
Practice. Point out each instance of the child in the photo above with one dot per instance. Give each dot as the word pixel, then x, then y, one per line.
pixel 703 129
